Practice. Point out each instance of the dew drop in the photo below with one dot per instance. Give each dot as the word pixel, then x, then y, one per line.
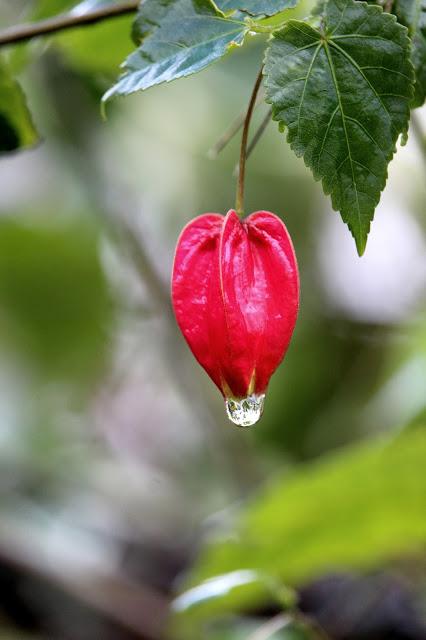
pixel 245 412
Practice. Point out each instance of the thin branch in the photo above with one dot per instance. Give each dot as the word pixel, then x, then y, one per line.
pixel 231 131
pixel 239 202
pixel 259 133
pixel 71 20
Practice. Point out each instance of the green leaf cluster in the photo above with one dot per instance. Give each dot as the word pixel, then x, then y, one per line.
pixel 412 14
pixel 176 38
pixel 343 90
pixel 341 82
pixel 352 510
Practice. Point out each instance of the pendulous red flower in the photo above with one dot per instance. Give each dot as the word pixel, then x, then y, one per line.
pixel 235 293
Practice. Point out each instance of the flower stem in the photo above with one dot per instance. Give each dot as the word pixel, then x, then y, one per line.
pixel 259 132
pixel 239 202
pixel 230 132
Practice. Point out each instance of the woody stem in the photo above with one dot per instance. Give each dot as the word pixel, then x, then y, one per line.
pixel 22 33
pixel 239 203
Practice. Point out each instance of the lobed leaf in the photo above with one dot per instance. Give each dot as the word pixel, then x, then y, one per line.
pixel 343 90
pixel 176 38
pixel 412 14
pixel 16 127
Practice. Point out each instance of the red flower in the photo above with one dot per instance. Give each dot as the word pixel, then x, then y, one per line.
pixel 235 292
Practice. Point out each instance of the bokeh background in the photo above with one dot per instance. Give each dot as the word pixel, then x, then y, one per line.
pixel 122 484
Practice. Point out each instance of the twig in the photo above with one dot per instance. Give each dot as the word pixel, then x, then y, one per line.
pixel 231 131
pixel 25 32
pixel 259 133
pixel 239 202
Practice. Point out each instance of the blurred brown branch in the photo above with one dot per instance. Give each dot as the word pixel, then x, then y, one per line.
pixel 22 33
pixel 134 606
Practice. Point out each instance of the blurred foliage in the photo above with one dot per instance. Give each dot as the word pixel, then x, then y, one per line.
pixel 47 8
pixel 90 49
pixel 252 629
pixel 352 511
pixel 121 482
pixel 55 306
pixel 16 126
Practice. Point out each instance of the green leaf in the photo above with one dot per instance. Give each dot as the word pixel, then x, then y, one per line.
pixel 16 127
pixel 255 7
pixel 353 510
pixel 55 302
pixel 177 38
pixel 412 13
pixel 343 91
pixel 223 593
pixel 99 49
pixel 48 8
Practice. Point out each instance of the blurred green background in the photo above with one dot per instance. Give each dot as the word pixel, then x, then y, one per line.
pixel 129 506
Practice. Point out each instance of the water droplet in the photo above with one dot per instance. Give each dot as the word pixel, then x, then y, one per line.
pixel 215 587
pixel 246 411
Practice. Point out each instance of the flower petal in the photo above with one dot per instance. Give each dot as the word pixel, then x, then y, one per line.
pixel 193 290
pixel 235 292
pixel 277 279
pixel 260 288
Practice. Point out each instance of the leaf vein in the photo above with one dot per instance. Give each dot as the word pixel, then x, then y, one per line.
pixel 349 36
pixel 340 20
pixel 360 71
pixel 305 84
pixel 336 171
pixel 326 134
pixel 367 133
pixel 336 87
pixel 387 69
pixel 363 166
pixel 394 95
